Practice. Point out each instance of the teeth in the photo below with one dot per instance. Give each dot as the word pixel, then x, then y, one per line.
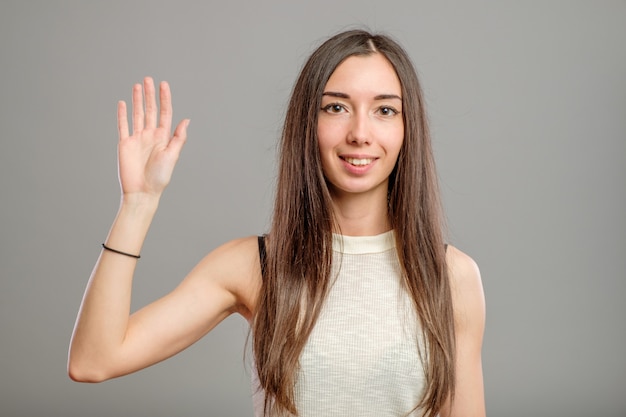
pixel 358 162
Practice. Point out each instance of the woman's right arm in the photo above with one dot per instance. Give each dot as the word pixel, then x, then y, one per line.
pixel 107 340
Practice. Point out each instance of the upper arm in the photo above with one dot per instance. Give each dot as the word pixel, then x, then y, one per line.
pixel 224 282
pixel 469 318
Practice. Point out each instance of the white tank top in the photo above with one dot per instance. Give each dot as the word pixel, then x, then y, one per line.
pixel 362 356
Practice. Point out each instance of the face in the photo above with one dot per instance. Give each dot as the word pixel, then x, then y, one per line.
pixel 360 126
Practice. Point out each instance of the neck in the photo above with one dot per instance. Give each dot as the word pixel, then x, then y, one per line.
pixel 361 214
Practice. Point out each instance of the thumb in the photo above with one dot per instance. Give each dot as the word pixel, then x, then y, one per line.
pixel 180 137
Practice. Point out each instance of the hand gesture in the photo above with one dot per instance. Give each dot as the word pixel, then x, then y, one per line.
pixel 146 158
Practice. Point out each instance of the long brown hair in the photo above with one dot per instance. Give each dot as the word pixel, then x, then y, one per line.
pixel 299 245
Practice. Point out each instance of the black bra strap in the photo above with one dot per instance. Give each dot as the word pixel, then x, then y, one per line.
pixel 262 254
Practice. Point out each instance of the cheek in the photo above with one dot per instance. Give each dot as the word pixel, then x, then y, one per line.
pixel 327 135
pixel 399 143
pixel 395 139
pixel 323 147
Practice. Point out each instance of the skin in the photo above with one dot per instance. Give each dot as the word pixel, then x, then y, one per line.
pixel 109 342
pixel 361 118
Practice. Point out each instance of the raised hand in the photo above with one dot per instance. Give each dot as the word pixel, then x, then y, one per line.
pixel 146 159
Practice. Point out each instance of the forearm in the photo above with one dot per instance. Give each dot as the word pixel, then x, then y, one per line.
pixel 103 316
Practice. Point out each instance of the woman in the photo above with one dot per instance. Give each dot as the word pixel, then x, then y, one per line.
pixel 356 305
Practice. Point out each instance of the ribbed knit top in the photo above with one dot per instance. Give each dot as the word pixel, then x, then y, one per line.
pixel 362 357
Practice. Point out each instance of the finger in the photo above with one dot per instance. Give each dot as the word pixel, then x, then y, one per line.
pixel 122 120
pixel 180 137
pixel 151 106
pixel 165 119
pixel 137 109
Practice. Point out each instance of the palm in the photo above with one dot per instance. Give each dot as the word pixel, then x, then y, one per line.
pixel 147 157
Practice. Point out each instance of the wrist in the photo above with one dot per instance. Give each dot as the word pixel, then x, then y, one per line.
pixel 140 202
pixel 132 222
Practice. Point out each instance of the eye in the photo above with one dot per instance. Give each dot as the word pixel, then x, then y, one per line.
pixel 334 108
pixel 387 111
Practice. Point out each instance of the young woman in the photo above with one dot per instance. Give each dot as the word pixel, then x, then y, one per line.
pixel 356 304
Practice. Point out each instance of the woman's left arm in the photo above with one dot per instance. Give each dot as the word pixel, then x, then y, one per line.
pixel 468 301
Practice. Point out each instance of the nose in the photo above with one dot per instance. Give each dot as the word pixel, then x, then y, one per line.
pixel 359 133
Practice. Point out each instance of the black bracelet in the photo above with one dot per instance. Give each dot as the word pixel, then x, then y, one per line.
pixel 120 252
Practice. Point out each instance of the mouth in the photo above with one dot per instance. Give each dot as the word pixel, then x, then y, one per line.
pixel 358 162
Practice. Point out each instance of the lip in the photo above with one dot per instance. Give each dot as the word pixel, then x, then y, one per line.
pixel 357 169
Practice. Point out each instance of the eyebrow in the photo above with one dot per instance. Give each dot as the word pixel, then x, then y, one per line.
pixel 346 96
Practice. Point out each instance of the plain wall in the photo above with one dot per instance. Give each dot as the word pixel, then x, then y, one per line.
pixel 527 102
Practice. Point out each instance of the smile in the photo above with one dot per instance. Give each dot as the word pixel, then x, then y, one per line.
pixel 358 161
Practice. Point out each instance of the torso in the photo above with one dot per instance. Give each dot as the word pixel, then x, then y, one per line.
pixel 362 356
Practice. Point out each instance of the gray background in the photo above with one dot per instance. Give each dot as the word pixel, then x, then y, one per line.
pixel 527 102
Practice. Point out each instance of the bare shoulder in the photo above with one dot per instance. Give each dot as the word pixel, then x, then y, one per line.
pixel 235 268
pixel 468 302
pixel 466 285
